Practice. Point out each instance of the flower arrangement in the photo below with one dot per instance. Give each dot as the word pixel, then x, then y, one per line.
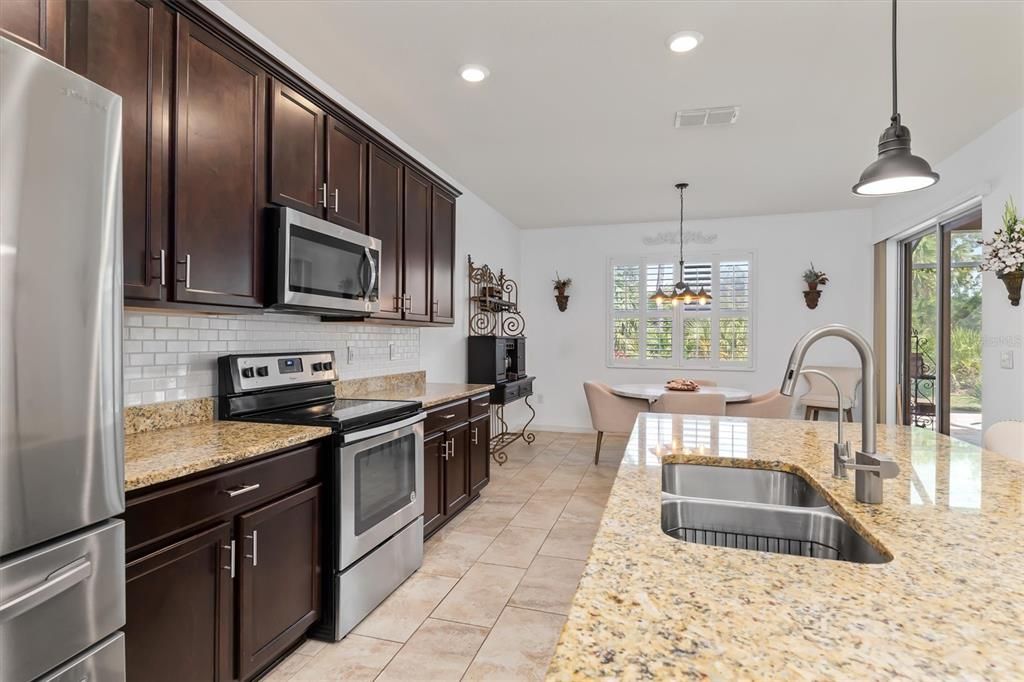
pixel 1004 253
pixel 561 284
pixel 814 277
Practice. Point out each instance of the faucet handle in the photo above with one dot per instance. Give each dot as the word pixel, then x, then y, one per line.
pixel 884 465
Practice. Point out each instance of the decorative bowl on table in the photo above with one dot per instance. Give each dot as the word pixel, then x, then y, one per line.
pixel 682 385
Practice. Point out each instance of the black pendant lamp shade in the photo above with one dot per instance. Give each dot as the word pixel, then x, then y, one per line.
pixel 896 170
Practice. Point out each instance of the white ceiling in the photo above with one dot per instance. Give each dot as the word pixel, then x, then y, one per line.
pixel 574 126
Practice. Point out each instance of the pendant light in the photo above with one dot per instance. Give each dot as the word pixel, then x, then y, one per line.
pixel 896 170
pixel 682 293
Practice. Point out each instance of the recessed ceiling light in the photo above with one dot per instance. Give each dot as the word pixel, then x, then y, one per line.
pixel 684 41
pixel 474 73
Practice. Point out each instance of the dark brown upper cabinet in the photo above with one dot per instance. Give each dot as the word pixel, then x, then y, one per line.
pixel 279 577
pixel 35 24
pixel 416 252
pixel 218 172
pixel 347 155
pixel 296 151
pixel 127 47
pixel 442 257
pixel 385 223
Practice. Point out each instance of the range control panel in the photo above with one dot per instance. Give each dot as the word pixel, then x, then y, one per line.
pixel 255 372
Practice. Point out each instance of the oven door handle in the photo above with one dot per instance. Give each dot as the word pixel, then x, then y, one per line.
pixel 380 430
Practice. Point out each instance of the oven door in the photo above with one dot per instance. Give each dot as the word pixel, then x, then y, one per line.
pixel 380 485
pixel 325 267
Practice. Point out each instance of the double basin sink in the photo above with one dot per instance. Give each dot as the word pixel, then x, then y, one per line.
pixel 757 509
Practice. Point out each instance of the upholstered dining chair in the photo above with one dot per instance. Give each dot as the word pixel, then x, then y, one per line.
pixel 770 405
pixel 822 395
pixel 1006 438
pixel 685 402
pixel 610 413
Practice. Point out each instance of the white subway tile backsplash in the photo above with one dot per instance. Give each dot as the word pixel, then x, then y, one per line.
pixel 174 357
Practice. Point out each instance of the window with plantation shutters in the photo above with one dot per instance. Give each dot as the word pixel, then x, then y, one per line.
pixel 715 335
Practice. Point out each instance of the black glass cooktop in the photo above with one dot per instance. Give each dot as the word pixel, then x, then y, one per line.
pixel 343 414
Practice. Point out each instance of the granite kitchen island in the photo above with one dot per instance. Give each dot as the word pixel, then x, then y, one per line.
pixel 949 604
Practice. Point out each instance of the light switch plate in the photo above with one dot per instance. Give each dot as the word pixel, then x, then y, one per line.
pixel 351 357
pixel 391 350
pixel 1006 359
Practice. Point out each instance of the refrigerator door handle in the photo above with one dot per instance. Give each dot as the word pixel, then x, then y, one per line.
pixel 60 580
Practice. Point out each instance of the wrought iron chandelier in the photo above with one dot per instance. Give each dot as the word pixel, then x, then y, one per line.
pixel 681 291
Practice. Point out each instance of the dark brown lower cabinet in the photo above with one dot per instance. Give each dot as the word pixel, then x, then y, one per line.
pixel 223 570
pixel 279 577
pixel 479 453
pixel 456 469
pixel 180 610
pixel 455 459
pixel 433 483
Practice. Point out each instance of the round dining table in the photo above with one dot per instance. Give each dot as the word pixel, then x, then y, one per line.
pixel 651 392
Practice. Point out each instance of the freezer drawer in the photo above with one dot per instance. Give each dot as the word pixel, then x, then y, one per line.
pixel 60 599
pixel 102 663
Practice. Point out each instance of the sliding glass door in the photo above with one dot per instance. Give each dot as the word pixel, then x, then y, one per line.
pixel 941 327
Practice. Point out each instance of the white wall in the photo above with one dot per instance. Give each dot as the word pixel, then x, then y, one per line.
pixel 991 166
pixel 566 349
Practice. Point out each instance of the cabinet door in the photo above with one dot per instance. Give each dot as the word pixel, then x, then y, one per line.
pixel 180 605
pixel 433 482
pixel 296 152
pixel 385 223
pixel 479 454
pixel 416 241
pixel 443 257
pixel 218 180
pixel 456 470
pixel 279 577
pixel 347 154
pixel 127 47
pixel 35 24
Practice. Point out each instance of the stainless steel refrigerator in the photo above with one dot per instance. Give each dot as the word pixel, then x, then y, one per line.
pixel 61 436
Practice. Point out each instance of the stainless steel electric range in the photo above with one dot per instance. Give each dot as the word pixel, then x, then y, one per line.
pixel 373 527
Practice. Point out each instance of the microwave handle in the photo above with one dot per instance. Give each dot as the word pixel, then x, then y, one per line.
pixel 373 271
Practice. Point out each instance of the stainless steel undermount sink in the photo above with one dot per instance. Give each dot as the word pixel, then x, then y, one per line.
pixel 739 485
pixel 756 509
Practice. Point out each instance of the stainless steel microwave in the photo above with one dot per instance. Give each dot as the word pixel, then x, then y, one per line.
pixel 321 267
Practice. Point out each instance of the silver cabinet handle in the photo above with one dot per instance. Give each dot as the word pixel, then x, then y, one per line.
pixel 335 199
pixel 476 435
pixel 188 270
pixel 433 307
pixel 451 447
pixel 231 559
pixel 323 192
pixel 447 416
pixel 255 547
pixel 407 299
pixel 444 450
pixel 241 489
pixel 60 580
pixel 163 275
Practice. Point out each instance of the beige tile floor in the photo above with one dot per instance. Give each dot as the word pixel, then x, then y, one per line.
pixel 496 583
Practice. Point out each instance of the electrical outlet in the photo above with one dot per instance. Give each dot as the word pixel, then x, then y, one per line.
pixel 351 354
pixel 1006 359
pixel 391 350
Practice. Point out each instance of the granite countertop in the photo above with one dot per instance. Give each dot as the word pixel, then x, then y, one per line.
pixel 950 604
pixel 152 457
pixel 430 394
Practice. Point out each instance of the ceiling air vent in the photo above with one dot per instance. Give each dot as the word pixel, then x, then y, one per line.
pixel 712 116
